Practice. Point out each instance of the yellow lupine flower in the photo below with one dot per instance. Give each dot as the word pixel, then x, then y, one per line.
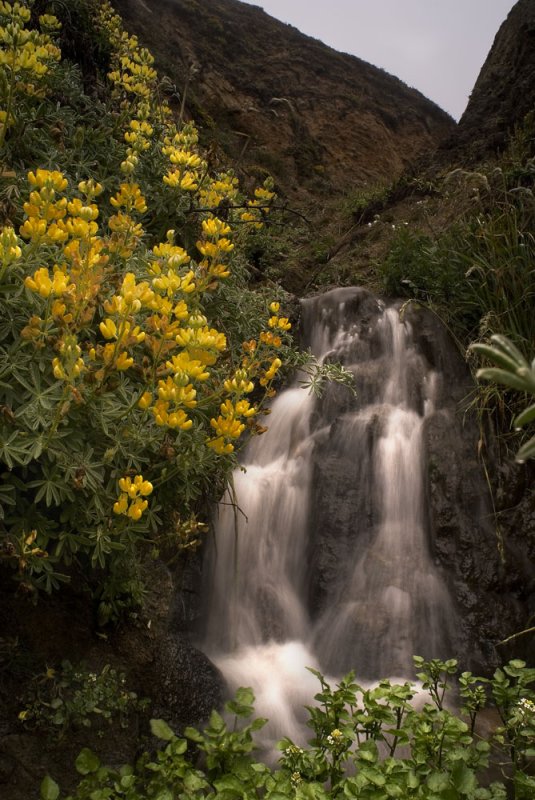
pixel 33 229
pixel 48 178
pixel 10 250
pixel 124 361
pixel 214 227
pixel 220 446
pixel 240 383
pixel 40 283
pixel 90 188
pixel 137 508
pixel 108 329
pixel 192 368
pixel 145 400
pixel 121 506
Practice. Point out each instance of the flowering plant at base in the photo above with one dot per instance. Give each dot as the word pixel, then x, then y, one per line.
pixel 366 744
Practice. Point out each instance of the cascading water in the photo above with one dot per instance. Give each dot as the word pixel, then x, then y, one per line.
pixel 322 553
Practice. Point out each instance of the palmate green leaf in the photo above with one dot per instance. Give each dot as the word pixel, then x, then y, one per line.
pixel 53 489
pixel 16 447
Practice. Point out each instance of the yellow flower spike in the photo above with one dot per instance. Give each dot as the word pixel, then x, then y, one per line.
pixel 40 282
pixel 108 329
pixel 124 361
pixel 10 250
pixel 214 227
pixel 33 229
pixel 179 419
pixel 124 484
pixel 145 400
pixel 108 353
pixel 121 506
pixel 137 508
pixel 58 370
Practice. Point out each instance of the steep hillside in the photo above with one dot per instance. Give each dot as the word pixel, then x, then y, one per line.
pixel 504 91
pixel 281 102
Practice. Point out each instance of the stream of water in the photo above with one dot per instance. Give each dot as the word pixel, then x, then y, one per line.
pixel 322 554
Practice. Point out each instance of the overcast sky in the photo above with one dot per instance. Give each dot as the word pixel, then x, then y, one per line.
pixel 437 46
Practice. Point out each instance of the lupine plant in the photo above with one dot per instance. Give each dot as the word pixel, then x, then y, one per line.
pixel 126 381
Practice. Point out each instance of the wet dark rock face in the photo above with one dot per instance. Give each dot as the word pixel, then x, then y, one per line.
pixel 153 651
pixel 494 594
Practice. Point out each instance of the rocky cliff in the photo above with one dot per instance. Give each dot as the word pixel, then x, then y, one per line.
pixel 282 103
pixel 504 91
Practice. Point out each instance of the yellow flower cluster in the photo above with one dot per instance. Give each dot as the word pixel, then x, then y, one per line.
pixel 187 167
pixel 144 326
pixel 229 425
pixel 131 502
pixel 278 322
pixel 134 75
pixel 69 365
pixel 10 250
pixel 126 233
pixel 258 208
pixel 26 56
pixel 214 247
pixel 70 224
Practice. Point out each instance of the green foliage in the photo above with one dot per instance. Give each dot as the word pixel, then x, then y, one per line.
pixel 75 697
pixel 367 744
pixel 103 432
pixel 478 273
pixel 513 371
pixel 366 200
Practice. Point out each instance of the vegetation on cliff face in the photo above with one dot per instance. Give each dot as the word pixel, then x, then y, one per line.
pixel 278 102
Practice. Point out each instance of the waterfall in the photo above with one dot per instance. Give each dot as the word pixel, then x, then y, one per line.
pixel 322 552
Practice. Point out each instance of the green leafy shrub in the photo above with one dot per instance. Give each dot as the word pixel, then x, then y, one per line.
pixel 74 697
pixel 367 744
pixel 134 358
